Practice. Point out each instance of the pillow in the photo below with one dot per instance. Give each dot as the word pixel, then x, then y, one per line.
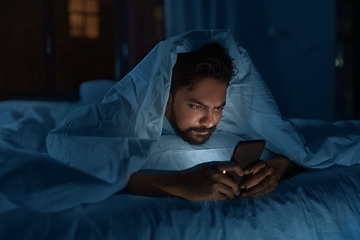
pixel 173 153
pixel 91 92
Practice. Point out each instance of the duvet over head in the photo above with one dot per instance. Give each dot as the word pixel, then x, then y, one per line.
pixel 122 135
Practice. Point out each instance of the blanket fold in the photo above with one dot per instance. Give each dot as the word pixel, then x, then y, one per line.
pixel 92 154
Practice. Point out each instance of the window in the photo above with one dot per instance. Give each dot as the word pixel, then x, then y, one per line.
pixel 83 18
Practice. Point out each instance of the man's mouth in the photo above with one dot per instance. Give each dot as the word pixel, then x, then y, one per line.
pixel 201 132
pixel 196 135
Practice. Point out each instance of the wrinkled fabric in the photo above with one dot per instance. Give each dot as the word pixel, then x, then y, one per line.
pixel 135 106
pixel 120 136
pixel 97 147
pixel 320 204
pixel 68 192
pixel 134 109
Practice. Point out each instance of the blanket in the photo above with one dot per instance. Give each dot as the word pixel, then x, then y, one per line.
pixel 91 154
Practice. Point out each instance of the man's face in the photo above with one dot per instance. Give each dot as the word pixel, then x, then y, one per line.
pixel 194 114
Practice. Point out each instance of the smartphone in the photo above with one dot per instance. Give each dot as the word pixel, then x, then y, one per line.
pixel 246 152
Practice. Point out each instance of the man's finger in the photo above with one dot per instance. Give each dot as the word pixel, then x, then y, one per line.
pixel 254 167
pixel 231 167
pixel 260 193
pixel 220 196
pixel 257 176
pixel 256 194
pixel 266 186
pixel 252 180
pixel 230 182
pixel 226 190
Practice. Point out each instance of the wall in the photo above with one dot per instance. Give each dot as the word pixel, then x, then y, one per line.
pixel 38 57
pixel 292 43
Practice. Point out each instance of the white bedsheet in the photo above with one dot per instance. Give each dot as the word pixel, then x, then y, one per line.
pixel 319 204
pixel 93 151
pixel 42 198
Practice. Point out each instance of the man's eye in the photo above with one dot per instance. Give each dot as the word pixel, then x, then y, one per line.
pixel 198 107
pixel 219 108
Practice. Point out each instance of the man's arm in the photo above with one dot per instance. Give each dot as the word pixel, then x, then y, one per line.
pixel 262 177
pixel 202 182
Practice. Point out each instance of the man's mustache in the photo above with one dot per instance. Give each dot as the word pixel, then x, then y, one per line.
pixel 201 129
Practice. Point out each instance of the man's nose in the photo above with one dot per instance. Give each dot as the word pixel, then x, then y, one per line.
pixel 208 119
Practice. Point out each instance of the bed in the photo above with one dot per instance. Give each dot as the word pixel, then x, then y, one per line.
pixel 62 165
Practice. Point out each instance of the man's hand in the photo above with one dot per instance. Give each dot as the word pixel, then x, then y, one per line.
pixel 262 177
pixel 206 181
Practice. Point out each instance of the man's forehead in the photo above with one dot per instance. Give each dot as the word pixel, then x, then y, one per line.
pixel 209 89
pixel 207 104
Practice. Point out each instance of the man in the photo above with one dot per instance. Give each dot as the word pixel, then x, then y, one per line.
pixel 194 108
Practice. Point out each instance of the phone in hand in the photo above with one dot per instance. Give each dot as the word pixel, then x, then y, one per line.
pixel 246 152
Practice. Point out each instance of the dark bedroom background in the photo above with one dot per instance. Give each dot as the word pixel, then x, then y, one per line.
pixel 308 53
pixel 49 47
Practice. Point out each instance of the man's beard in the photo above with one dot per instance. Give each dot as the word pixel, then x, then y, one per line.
pixel 191 135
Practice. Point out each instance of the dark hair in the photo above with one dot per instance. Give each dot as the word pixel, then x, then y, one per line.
pixel 210 60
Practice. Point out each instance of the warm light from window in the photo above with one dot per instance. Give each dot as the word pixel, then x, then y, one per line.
pixel 92 27
pixel 92 6
pixel 83 18
pixel 75 5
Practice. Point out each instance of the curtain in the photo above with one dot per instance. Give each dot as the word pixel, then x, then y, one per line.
pixel 292 43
